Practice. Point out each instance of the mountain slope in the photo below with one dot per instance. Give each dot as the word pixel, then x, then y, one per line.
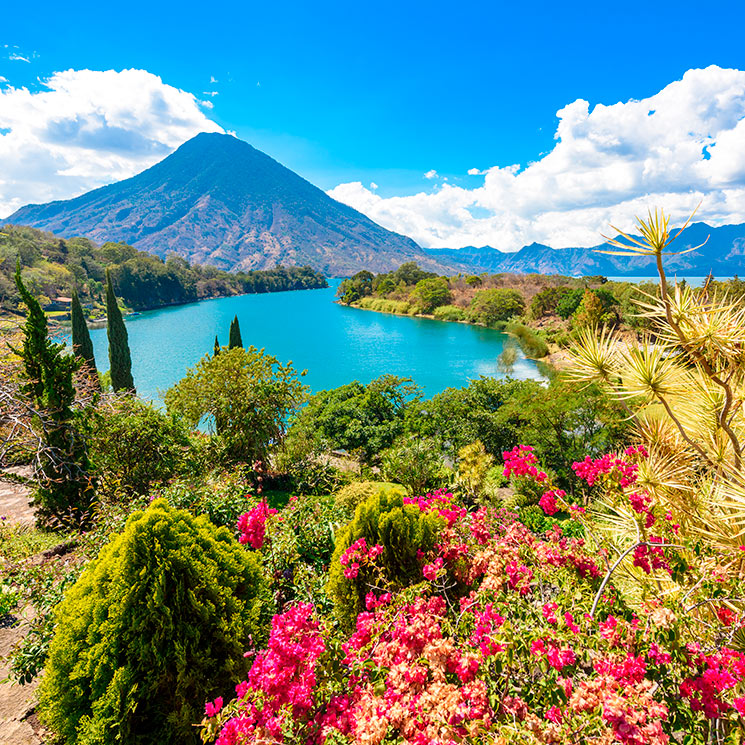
pixel 217 200
pixel 723 255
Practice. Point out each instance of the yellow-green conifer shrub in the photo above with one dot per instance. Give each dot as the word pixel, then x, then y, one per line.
pixel 349 496
pixel 402 530
pixel 156 626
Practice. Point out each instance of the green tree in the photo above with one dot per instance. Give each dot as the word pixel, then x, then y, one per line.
pixel 496 304
pixel 133 445
pixel 431 293
pixel 595 310
pixel 81 340
pixel 155 626
pixel 217 346
pixel 120 360
pixel 235 334
pixel 569 302
pixel 361 419
pixel 244 395
pixel 64 492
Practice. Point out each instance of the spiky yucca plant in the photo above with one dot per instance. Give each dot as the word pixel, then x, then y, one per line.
pixel 684 386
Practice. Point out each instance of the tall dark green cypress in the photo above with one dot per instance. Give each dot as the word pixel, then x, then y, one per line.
pixel 120 360
pixel 82 345
pixel 64 487
pixel 217 346
pixel 235 334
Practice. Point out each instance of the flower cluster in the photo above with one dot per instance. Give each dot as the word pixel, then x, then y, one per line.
pixel 252 525
pixel 440 501
pixel 621 471
pixel 359 554
pixel 513 638
pixel 521 461
pixel 282 678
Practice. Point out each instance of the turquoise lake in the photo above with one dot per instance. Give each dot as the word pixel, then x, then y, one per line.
pixel 335 344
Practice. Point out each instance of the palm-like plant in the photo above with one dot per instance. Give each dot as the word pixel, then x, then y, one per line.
pixel 684 387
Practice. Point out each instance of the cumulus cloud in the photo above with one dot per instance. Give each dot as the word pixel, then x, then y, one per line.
pixel 86 128
pixel 431 174
pixel 476 172
pixel 678 147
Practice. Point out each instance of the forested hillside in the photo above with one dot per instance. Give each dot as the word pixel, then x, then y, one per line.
pixel 52 267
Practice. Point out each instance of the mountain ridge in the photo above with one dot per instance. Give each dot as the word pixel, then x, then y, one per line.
pixel 218 200
pixel 723 254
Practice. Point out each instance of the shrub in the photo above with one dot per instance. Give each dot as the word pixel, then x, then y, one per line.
pixel 154 627
pixel 431 293
pixel 415 462
pixel 222 497
pixel 531 344
pixel 538 522
pixel 132 445
pixel 380 546
pixel 596 309
pixel 383 305
pixel 492 305
pixel 349 496
pixel 450 313
pixel 546 301
pixel 569 302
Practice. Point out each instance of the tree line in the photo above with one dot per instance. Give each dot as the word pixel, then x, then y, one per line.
pixel 53 267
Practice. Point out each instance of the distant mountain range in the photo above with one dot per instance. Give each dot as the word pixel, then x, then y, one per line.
pixel 723 255
pixel 217 200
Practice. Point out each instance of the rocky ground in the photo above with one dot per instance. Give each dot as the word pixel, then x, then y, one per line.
pixel 18 722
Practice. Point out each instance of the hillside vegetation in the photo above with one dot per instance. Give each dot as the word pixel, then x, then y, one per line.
pixel 538 309
pixel 52 267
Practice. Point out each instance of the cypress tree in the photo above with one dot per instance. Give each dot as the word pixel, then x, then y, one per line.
pixel 217 346
pixel 82 345
pixel 235 334
pixel 120 360
pixel 63 491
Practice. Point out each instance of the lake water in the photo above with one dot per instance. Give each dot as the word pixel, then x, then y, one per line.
pixel 334 343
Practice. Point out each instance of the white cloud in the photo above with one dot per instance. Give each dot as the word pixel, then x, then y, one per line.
pixel 681 145
pixel 373 185
pixel 3 80
pixel 213 79
pixel 87 128
pixel 431 174
pixel 210 93
pixel 207 104
pixel 15 57
pixel 476 172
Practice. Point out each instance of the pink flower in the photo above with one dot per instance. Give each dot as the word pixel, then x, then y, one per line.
pixel 554 715
pixel 252 525
pixel 430 570
pixel 213 708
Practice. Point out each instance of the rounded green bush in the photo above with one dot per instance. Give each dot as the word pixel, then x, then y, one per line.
pixel 156 626
pixel 349 496
pixel 402 529
pixel 449 313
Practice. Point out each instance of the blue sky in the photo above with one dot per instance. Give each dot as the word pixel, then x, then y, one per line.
pixel 384 93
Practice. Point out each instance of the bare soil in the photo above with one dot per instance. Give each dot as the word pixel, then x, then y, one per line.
pixel 18 722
